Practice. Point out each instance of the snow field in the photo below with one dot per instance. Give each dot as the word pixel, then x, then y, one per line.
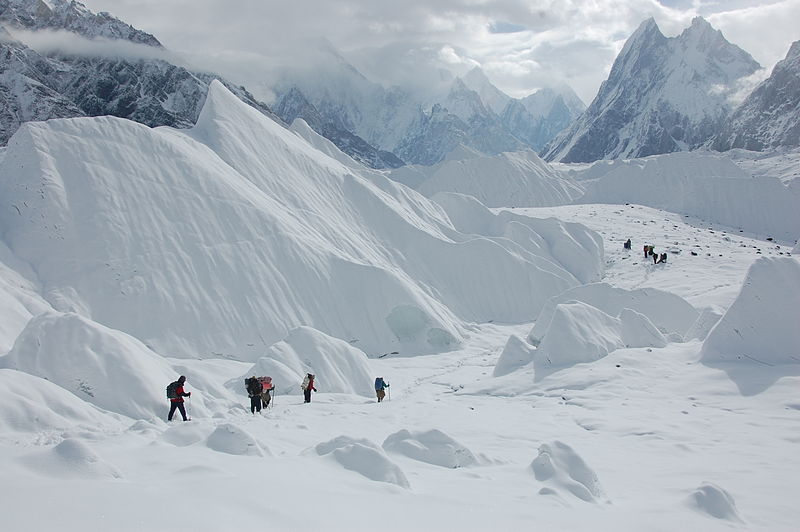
pixel 244 251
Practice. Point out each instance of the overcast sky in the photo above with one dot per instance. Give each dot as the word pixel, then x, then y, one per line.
pixel 520 44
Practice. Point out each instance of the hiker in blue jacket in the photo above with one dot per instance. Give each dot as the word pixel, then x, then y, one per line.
pixel 380 388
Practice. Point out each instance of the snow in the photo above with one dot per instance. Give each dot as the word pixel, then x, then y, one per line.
pixel 238 248
pixel 703 185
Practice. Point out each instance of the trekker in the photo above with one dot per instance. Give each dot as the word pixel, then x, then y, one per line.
pixel 253 386
pixel 662 258
pixel 646 249
pixel 380 388
pixel 655 257
pixel 266 388
pixel 308 387
pixel 176 393
pixel 627 244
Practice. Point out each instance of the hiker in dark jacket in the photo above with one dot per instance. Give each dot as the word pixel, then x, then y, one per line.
pixel 308 387
pixel 380 388
pixel 254 392
pixel 177 401
pixel 627 244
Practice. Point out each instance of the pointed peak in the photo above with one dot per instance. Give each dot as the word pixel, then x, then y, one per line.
pixel 794 50
pixel 700 26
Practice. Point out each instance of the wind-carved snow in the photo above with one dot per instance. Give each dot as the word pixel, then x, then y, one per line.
pixel 714 501
pixel 705 185
pixel 94 363
pixel 432 447
pixel 757 341
pixel 232 439
pixel 668 312
pixel 364 457
pixel 220 239
pixel 72 459
pixel 578 332
pixel 562 470
pixel 341 367
pixel 512 179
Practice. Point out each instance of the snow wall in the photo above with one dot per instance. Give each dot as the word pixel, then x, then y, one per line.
pixel 216 241
pixel 701 184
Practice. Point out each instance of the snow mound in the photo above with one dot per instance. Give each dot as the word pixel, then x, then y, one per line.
pixel 553 245
pixel 668 312
pixel 432 447
pixel 562 469
pixel 709 186
pixel 230 439
pixel 99 365
pixel 703 324
pixel 338 366
pixel 72 459
pixel 714 501
pixel 218 240
pixel 579 332
pixel 516 354
pixel 365 458
pixel 185 434
pixel 511 179
pixel 759 335
pixel 18 299
pixel 301 128
pixel 32 405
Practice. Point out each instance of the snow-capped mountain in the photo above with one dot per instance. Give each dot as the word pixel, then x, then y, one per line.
pixel 770 116
pixel 423 128
pixel 39 87
pixel 292 105
pixel 71 16
pixel 662 95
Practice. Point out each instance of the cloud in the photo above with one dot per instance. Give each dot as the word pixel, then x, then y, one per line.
pixel 521 44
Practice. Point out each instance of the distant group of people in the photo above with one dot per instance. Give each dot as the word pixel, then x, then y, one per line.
pixel 649 251
pixel 259 390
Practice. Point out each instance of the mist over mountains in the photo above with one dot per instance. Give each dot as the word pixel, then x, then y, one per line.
pixel 662 95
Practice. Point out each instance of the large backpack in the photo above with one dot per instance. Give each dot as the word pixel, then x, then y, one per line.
pixel 172 390
pixel 253 386
pixel 379 383
pixel 266 383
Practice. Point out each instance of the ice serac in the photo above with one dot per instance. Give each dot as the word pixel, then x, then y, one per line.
pixel 662 95
pixel 706 185
pixel 220 239
pixel 770 115
pixel 513 179
pixel 760 328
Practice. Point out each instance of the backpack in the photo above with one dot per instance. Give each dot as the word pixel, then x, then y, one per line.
pixel 266 383
pixel 253 386
pixel 379 384
pixel 172 390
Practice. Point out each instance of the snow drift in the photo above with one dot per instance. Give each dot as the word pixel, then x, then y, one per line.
pixel 432 447
pixel 220 239
pixel 705 185
pixel 512 179
pixel 758 339
pixel 364 457
pixel 340 367
pixel 563 469
pixel 32 405
pixel 668 312
pixel 579 332
pixel 101 366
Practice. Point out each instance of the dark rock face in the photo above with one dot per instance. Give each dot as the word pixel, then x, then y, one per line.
pixel 662 95
pixel 40 87
pixel 770 116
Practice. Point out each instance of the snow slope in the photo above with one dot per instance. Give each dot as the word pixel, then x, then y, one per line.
pixel 511 179
pixel 703 185
pixel 220 239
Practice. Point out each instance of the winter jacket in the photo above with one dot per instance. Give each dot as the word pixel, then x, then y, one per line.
pixel 180 395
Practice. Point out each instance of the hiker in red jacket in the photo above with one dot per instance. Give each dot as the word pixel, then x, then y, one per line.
pixel 177 401
pixel 308 386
